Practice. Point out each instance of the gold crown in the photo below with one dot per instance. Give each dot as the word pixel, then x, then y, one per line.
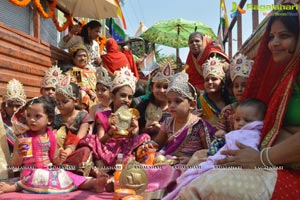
pixel 123 77
pixel 164 71
pixel 15 91
pixel 52 77
pixel 213 66
pixel 103 77
pixel 181 85
pixel 78 47
pixel 240 66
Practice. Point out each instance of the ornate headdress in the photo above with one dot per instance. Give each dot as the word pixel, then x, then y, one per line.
pixel 164 71
pixel 240 66
pixel 65 88
pixel 14 92
pixel 181 85
pixel 213 66
pixel 103 77
pixel 78 47
pixel 123 77
pixel 53 76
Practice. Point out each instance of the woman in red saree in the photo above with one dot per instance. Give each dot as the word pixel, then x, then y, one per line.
pixel 274 80
pixel 113 60
pixel 201 48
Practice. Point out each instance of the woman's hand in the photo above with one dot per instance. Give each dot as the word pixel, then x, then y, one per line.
pixel 75 29
pixel 245 157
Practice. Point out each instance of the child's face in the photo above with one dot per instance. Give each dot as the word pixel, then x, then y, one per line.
pixel 177 105
pixel 36 118
pixel 159 91
pixel 11 107
pixel 81 59
pixel 245 115
pixel 239 85
pixel 65 105
pixel 103 94
pixel 123 96
pixel 48 92
pixel 212 84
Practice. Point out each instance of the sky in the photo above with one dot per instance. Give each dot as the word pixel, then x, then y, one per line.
pixel 206 11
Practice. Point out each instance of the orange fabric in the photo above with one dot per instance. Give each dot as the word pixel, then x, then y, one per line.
pixel 71 139
pixel 113 60
pixel 132 64
pixel 195 78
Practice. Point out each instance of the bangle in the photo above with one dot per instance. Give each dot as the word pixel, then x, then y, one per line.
pixel 261 157
pixel 268 157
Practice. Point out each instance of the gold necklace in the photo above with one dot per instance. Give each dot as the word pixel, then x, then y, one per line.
pixel 177 133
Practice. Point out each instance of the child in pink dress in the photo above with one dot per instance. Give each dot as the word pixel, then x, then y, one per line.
pixel 40 174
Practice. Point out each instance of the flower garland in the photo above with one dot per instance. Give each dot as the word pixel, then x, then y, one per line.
pixel 20 3
pixel 41 10
pixel 67 23
pixel 38 5
pixel 101 41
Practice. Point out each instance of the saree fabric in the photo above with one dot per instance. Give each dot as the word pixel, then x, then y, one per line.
pixel 132 64
pixel 210 110
pixel 108 152
pixel 273 84
pixel 195 69
pixel 113 60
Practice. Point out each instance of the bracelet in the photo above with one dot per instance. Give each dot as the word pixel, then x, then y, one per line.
pixel 268 157
pixel 261 157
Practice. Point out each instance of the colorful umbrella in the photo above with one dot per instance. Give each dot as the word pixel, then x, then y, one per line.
pixel 94 9
pixel 175 33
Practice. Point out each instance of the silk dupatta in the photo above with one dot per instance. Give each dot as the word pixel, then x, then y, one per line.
pixel 273 84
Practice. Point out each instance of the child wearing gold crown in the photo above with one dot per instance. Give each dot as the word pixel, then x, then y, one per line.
pixel 183 133
pixel 240 69
pixel 52 77
pixel 154 109
pixel 13 99
pixel 120 123
pixel 98 111
pixel 214 98
pixel 84 75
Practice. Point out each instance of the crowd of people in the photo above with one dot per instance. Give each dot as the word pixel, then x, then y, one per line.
pixel 90 113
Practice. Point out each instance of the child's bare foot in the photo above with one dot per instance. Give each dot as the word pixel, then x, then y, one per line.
pixel 100 182
pixel 5 187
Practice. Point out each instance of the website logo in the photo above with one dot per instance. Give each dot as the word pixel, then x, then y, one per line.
pixel 236 10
